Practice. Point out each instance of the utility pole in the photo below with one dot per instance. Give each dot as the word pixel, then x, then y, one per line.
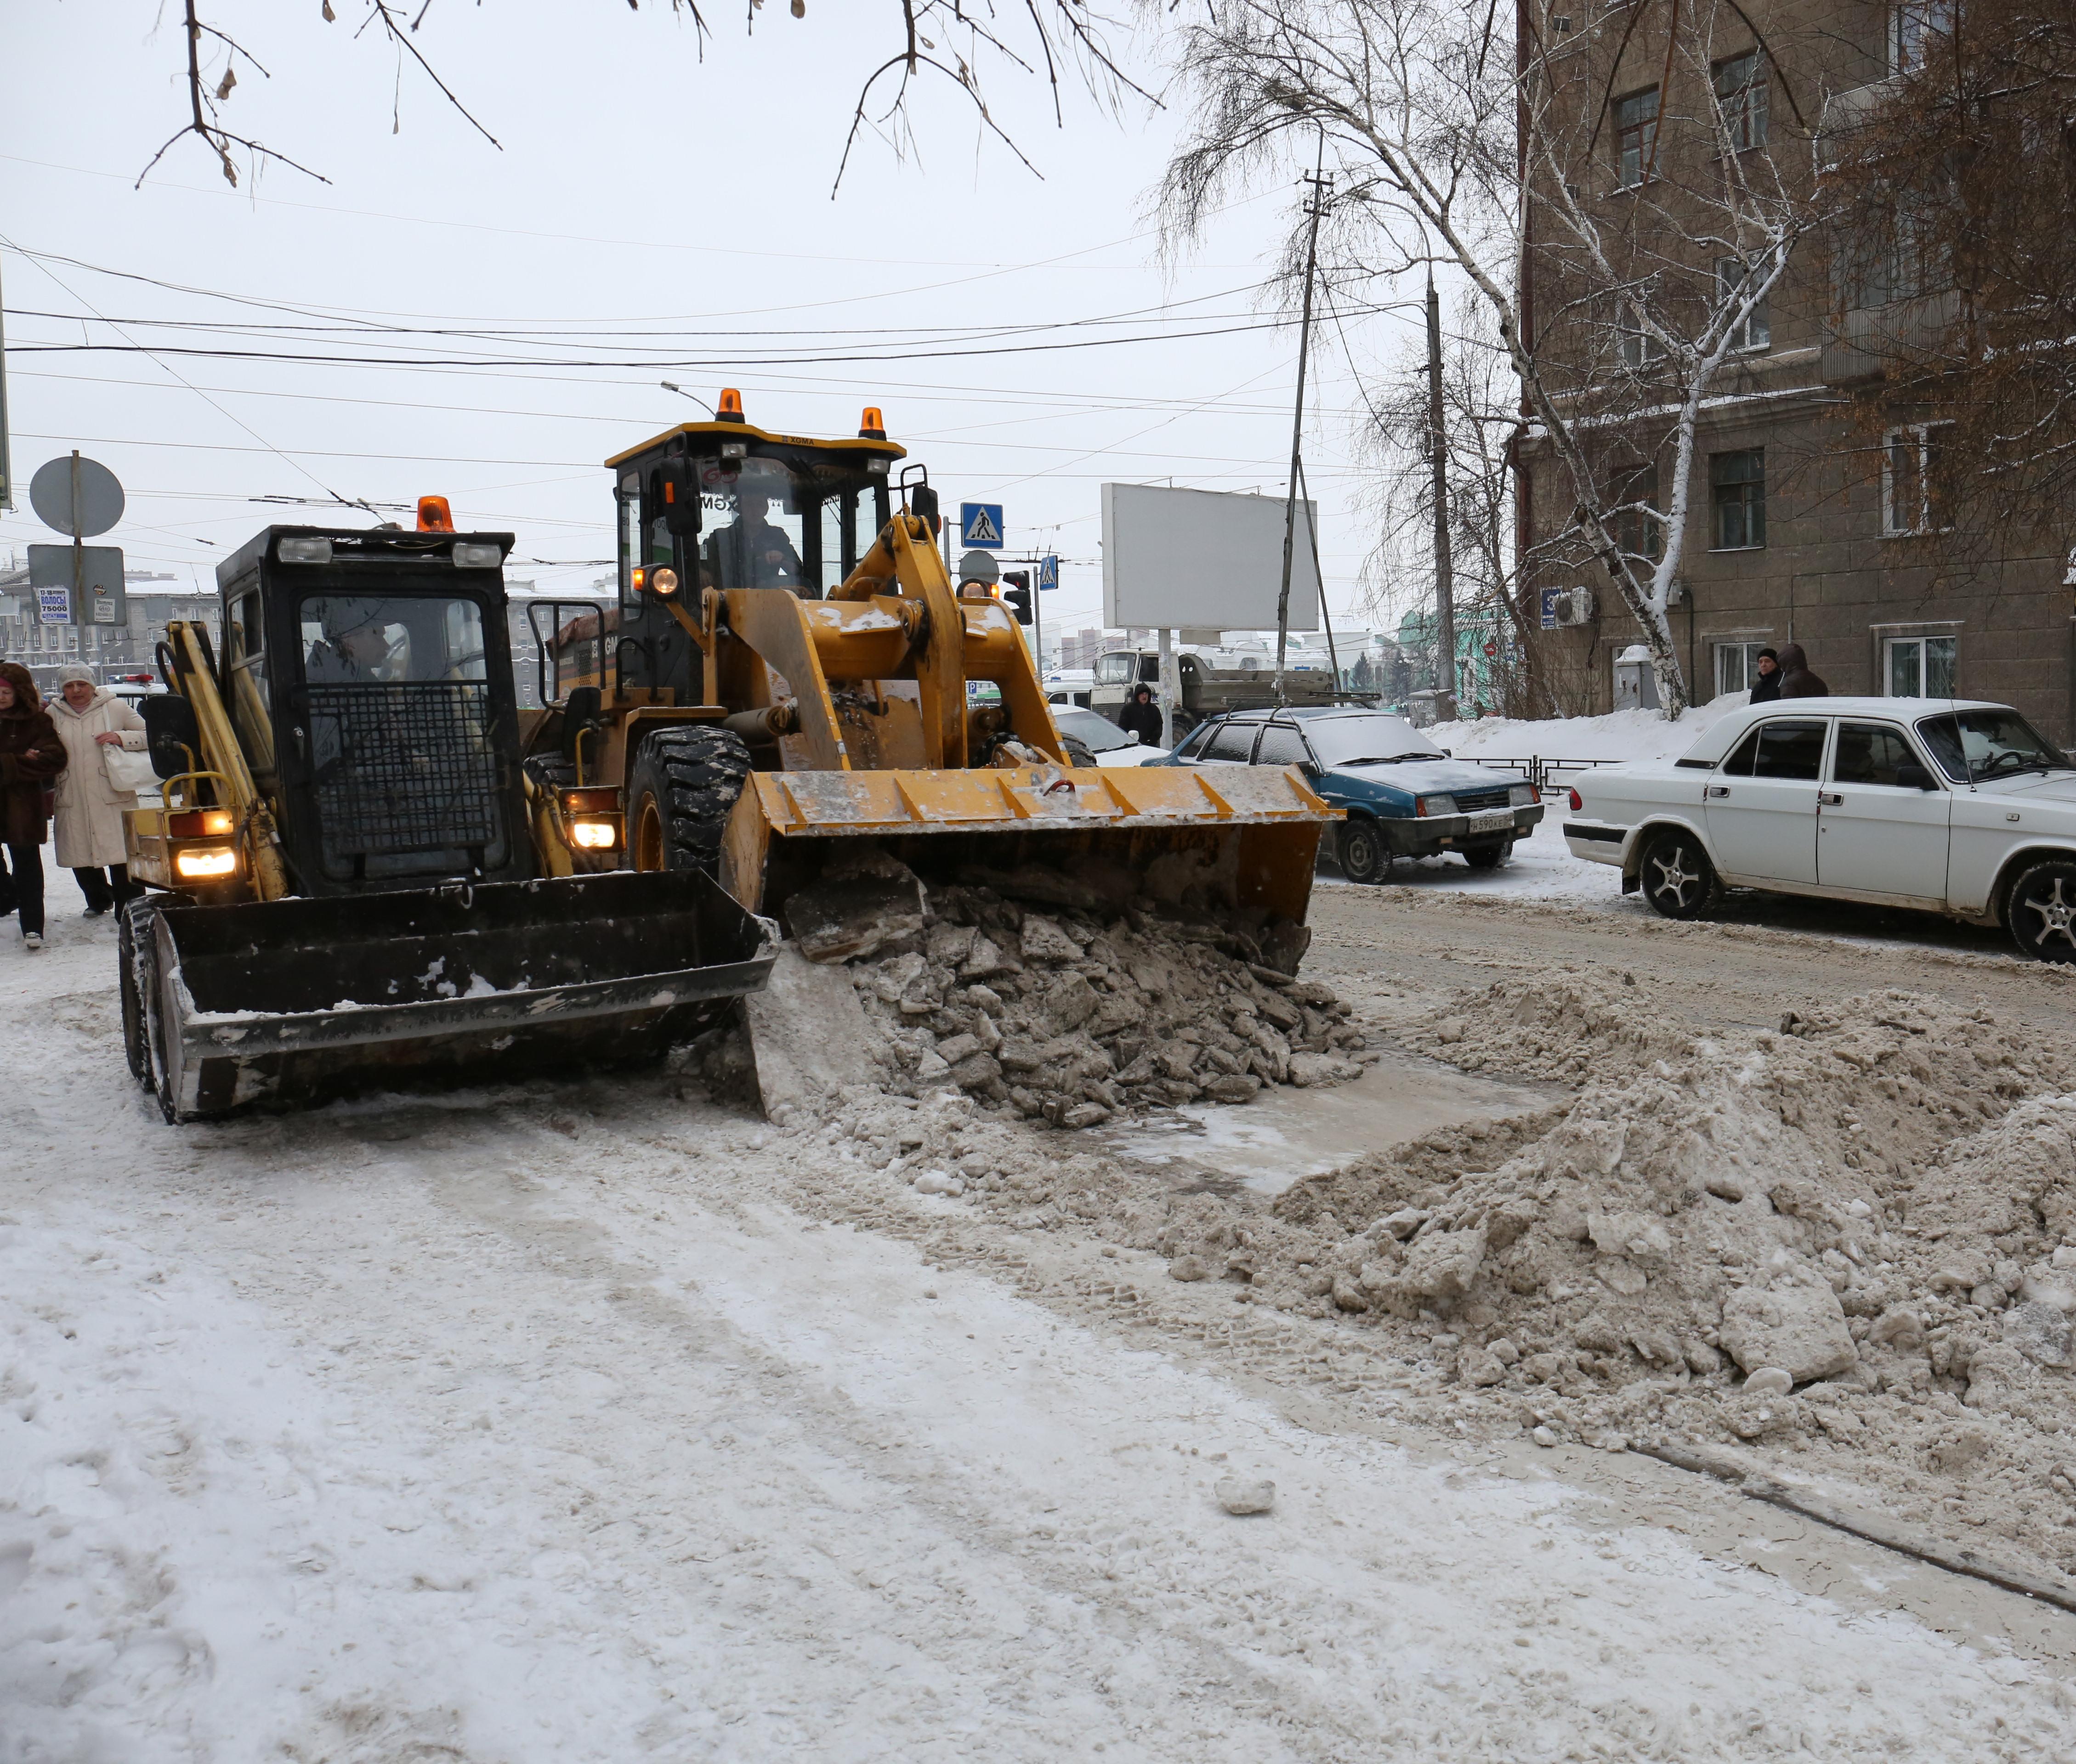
pixel 1438 447
pixel 6 470
pixel 1314 206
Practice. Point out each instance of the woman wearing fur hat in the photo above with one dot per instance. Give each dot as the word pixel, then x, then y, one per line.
pixel 89 718
pixel 31 759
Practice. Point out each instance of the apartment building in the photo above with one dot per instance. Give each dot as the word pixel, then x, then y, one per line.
pixel 1803 523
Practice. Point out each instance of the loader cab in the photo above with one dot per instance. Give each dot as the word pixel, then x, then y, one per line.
pixel 725 505
pixel 368 676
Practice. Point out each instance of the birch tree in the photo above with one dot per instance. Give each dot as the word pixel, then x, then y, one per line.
pixel 1653 242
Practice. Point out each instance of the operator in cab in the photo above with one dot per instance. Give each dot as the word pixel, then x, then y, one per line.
pixel 751 552
pixel 354 648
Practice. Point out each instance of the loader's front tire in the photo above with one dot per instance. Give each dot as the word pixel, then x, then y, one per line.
pixel 143 1028
pixel 683 785
pixel 136 947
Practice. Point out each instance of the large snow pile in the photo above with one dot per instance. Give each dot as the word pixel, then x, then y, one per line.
pixel 1854 1237
pixel 1621 735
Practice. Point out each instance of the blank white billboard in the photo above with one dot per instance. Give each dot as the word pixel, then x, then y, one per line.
pixel 1206 558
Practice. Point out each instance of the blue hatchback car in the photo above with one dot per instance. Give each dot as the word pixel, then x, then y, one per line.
pixel 1405 797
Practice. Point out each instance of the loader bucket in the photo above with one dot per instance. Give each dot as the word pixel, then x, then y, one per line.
pixel 1235 847
pixel 297 1001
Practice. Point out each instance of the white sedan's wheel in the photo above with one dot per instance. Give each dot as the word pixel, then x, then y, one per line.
pixel 2041 913
pixel 1677 878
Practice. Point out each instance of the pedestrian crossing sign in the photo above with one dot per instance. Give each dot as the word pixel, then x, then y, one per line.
pixel 1048 572
pixel 981 523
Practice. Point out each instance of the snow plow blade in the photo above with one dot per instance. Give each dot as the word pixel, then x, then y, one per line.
pixel 1236 849
pixel 299 1001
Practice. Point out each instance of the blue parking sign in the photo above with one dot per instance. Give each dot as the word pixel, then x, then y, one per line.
pixel 980 523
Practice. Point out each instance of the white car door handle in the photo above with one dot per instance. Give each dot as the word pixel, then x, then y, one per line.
pixel 1830 799
pixel 1717 789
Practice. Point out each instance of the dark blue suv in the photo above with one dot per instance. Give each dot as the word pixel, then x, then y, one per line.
pixel 1405 797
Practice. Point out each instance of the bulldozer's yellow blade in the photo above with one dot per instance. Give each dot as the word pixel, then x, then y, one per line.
pixel 1245 837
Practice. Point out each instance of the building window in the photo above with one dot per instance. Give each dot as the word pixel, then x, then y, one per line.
pixel 1639 345
pixel 1914 27
pixel 1736 491
pixel 1636 136
pixel 1737 666
pixel 1638 529
pixel 1755 330
pixel 1740 94
pixel 1910 501
pixel 1921 667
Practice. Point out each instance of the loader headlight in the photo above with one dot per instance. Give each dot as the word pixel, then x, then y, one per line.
pixel 663 582
pixel 594 835
pixel 304 551
pixel 206 863
pixel 1523 796
pixel 476 556
pixel 1435 805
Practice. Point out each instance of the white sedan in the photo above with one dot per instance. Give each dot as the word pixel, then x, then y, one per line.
pixel 1950 806
pixel 1108 743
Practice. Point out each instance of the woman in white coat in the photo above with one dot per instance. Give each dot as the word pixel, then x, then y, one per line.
pixel 90 805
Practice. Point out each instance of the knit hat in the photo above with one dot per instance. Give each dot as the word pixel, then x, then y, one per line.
pixel 73 671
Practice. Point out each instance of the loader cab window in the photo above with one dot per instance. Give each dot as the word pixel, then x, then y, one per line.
pixel 755 534
pixel 245 648
pixel 357 640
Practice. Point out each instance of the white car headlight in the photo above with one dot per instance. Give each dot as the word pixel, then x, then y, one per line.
pixel 1523 796
pixel 1435 805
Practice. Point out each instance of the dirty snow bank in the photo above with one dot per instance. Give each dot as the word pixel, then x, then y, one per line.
pixel 1874 1207
pixel 1621 735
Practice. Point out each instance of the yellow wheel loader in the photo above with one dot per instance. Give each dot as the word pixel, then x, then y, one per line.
pixel 788 680
pixel 345 889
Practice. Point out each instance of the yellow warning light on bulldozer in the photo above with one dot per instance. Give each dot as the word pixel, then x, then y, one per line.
pixel 731 406
pixel 206 863
pixel 435 516
pixel 872 425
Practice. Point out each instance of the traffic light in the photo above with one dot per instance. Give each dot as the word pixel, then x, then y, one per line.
pixel 1016 593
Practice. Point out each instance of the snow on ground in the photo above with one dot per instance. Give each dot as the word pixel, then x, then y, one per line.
pixel 531 1427
pixel 1542 867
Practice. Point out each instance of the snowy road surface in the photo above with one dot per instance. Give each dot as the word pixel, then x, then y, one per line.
pixel 559 1426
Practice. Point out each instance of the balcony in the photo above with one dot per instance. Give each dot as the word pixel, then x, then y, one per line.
pixel 1868 337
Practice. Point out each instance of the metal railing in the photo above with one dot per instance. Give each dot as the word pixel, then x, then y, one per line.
pixel 1538 770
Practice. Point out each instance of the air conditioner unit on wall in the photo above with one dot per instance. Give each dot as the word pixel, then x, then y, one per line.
pixel 1575 606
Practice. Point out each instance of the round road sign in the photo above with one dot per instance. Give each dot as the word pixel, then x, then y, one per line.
pixel 100 496
pixel 980 566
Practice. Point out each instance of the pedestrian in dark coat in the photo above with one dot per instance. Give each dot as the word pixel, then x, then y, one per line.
pixel 1142 717
pixel 1766 683
pixel 1796 681
pixel 32 757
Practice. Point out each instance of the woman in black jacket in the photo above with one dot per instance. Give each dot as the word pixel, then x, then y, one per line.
pixel 31 756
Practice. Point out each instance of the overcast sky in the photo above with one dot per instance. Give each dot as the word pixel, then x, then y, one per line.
pixel 641 200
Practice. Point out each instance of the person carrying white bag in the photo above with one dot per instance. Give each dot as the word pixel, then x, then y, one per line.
pixel 100 731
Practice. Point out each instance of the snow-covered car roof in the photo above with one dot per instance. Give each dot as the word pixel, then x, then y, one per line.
pixel 1721 736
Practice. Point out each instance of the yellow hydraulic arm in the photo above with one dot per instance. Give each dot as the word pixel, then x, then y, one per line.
pixel 218 777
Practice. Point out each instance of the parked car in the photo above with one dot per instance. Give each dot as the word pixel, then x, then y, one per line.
pixel 1953 807
pixel 1405 797
pixel 1106 743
